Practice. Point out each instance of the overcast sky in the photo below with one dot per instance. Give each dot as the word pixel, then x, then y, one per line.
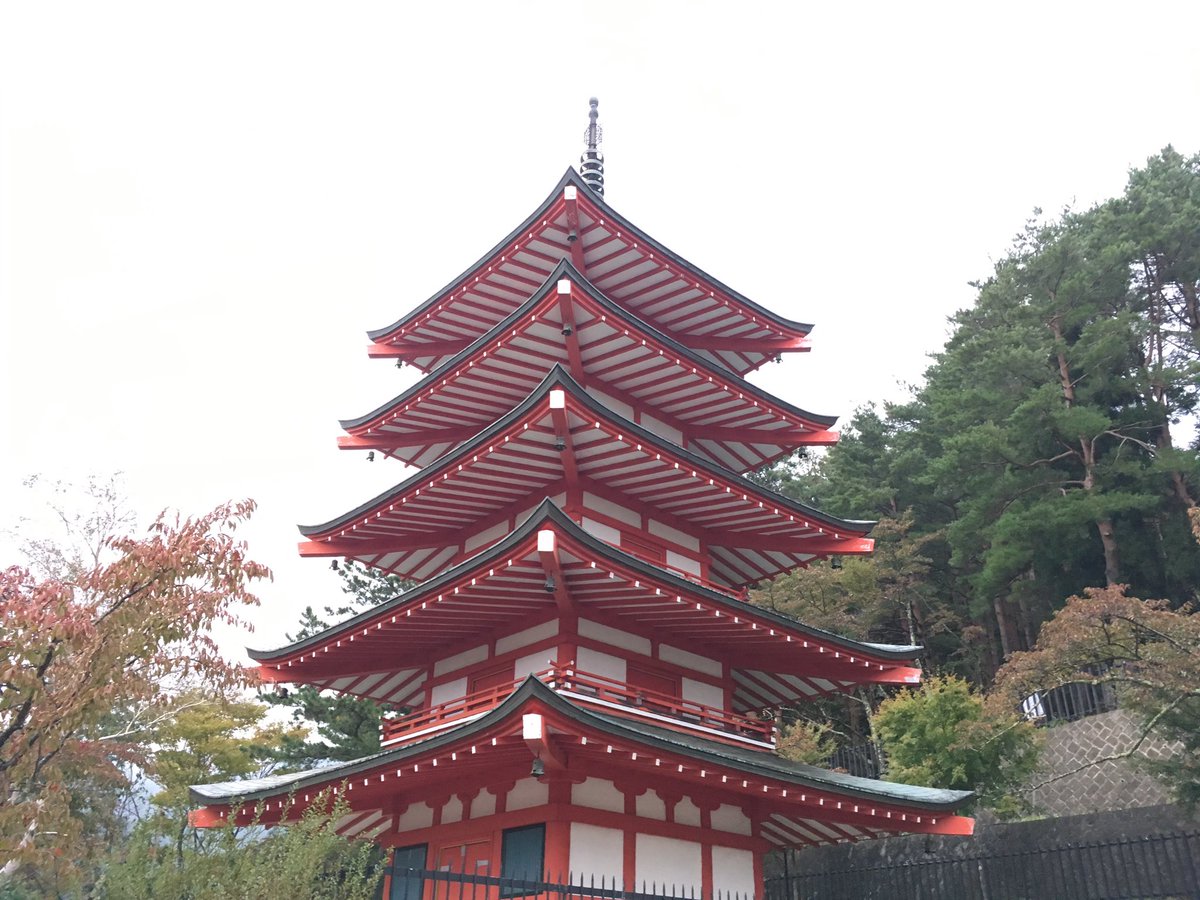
pixel 204 206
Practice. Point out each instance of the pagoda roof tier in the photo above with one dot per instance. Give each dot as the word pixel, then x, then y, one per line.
pixel 382 652
pixel 709 410
pixel 796 805
pixel 624 262
pixel 560 439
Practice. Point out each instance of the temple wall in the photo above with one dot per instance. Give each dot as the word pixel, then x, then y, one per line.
pixel 668 861
pixel 661 839
pixel 597 853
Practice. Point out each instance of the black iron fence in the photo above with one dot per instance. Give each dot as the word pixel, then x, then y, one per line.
pixel 1165 866
pixel 429 884
pixel 1069 702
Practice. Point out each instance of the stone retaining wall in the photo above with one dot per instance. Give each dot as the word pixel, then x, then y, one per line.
pixel 1117 784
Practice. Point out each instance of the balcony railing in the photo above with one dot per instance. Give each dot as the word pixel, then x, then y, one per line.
pixel 591 689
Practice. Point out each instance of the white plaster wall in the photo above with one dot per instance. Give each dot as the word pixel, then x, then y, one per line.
pixel 528 636
pixel 458 660
pixel 667 861
pixel 487 536
pixel 662 429
pixel 612 510
pixel 620 407
pixel 733 871
pixel 683 563
pixel 674 535
pixel 452 811
pixel 600 663
pixel 418 815
pixel 598 793
pixel 651 806
pixel 687 812
pixel 730 818
pixel 687 660
pixel 484 804
pixel 451 690
pixel 534 662
pixel 598 852
pixel 601 530
pixel 526 793
pixel 612 636
pixel 703 692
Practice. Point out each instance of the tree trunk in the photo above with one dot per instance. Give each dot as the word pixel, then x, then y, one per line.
pixel 1064 371
pixel 1006 647
pixel 1108 539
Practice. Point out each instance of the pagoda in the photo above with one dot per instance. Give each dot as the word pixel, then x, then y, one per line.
pixel 583 691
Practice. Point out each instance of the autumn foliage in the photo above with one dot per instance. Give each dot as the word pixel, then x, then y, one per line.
pixel 1148 651
pixel 91 659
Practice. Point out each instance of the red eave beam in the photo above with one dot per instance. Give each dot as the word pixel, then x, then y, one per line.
pixel 389 440
pixel 414 350
pixel 556 583
pixel 745 345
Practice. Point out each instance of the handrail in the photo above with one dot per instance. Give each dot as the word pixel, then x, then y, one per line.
pixel 613 690
pixel 586 686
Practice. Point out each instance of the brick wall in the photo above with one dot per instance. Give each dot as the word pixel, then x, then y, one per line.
pixel 1107 786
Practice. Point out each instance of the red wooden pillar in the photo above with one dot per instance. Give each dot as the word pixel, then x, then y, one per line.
pixel 558 830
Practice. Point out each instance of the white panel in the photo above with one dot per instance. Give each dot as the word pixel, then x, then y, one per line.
pixel 533 663
pixel 663 860
pixel 452 811
pixel 733 871
pixel 651 806
pixel 670 654
pixel 597 853
pixel 418 815
pixel 683 563
pixel 703 692
pixel 598 793
pixel 602 531
pixel 662 429
pixel 450 663
pixel 612 510
pixel 486 537
pixel 617 406
pixel 675 536
pixel 730 818
pixel 526 793
pixel 527 637
pixel 613 637
pixel 451 690
pixel 687 812
pixel 600 663
pixel 484 804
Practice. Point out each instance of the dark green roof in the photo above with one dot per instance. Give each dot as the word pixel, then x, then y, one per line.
pixel 760 763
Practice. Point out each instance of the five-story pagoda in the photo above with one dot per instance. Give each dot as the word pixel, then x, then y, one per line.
pixel 586 689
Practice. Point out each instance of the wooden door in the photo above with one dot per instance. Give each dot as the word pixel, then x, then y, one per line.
pixel 470 858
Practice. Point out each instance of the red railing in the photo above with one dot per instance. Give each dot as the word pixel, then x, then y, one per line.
pixel 451 710
pixel 586 686
pixel 601 687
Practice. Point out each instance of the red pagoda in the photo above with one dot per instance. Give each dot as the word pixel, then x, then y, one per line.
pixel 586 692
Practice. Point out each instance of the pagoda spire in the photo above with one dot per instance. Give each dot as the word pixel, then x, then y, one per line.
pixel 591 163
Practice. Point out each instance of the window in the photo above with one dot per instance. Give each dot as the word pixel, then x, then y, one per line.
pixel 406 886
pixel 521 856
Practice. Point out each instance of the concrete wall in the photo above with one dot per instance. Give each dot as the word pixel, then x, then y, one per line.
pixel 988 840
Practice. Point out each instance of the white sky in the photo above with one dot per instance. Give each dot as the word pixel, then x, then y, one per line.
pixel 204 206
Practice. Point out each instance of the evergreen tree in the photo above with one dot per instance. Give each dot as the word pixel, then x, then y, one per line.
pixel 346 727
